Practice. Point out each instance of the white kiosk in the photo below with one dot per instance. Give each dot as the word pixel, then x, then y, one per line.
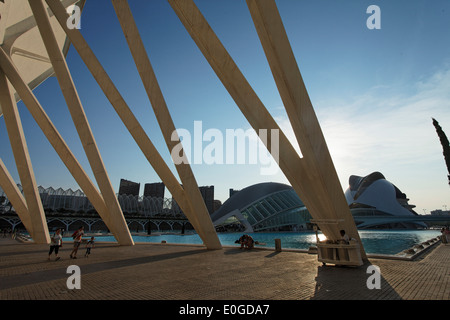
pixel 337 252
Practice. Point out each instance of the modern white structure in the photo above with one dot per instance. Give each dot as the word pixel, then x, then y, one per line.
pixel 33 41
pixel 24 64
pixel 264 206
pixel 375 196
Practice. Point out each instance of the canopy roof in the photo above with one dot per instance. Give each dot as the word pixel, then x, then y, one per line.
pixel 20 38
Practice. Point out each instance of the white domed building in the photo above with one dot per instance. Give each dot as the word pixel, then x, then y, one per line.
pixel 264 206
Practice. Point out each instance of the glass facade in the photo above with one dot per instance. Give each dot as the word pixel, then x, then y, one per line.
pixel 276 210
pixel 69 201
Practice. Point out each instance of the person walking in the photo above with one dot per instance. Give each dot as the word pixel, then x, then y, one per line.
pixel 55 244
pixel 77 235
pixel 89 246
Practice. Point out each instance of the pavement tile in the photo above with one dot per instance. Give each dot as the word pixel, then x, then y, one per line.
pixel 182 272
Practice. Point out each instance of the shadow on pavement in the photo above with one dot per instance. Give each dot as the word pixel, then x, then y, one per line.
pixel 345 283
pixel 12 281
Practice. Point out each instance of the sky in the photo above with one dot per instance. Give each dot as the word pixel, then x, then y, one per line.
pixel 374 92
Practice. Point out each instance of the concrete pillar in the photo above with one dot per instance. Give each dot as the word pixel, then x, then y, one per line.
pixel 313 177
pixel 301 114
pixel 15 197
pixel 125 114
pixel 116 218
pixel 200 213
pixel 246 99
pixel 39 230
pixel 52 134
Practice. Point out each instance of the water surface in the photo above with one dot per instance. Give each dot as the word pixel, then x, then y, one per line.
pixel 374 241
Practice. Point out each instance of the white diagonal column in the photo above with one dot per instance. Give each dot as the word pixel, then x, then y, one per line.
pixel 15 196
pixel 200 213
pixel 302 173
pixel 117 221
pixel 301 114
pixel 53 136
pixel 125 113
pixel 39 229
pixel 245 97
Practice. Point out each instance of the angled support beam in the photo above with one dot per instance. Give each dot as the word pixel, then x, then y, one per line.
pixel 124 112
pixel 233 80
pixel 148 77
pixel 303 174
pixel 39 229
pixel 117 221
pixel 15 197
pixel 53 136
pixel 294 168
pixel 300 111
pixel 120 106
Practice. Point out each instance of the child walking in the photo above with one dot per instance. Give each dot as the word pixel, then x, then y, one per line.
pixel 89 246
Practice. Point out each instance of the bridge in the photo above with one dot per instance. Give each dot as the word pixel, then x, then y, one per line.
pixel 93 223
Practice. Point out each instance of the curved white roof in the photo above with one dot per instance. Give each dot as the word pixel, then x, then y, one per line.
pixel 375 191
pixel 248 195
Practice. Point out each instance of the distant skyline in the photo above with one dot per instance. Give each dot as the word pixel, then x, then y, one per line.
pixel 375 92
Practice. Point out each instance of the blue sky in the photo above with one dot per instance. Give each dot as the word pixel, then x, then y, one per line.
pixel 374 91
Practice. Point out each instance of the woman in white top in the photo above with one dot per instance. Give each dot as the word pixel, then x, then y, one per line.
pixel 56 242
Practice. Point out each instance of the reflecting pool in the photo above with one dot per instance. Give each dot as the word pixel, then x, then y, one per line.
pixel 374 241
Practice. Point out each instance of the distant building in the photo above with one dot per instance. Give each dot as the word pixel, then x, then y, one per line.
pixel 129 187
pixel 155 190
pixel 208 196
pixel 207 193
pixel 439 212
pixel 64 200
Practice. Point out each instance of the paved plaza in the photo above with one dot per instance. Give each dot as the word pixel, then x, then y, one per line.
pixel 189 272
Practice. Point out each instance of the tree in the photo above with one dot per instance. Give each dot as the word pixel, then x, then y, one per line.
pixel 445 145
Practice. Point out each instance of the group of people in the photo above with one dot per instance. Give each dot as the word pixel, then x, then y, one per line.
pixel 246 241
pixel 56 243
